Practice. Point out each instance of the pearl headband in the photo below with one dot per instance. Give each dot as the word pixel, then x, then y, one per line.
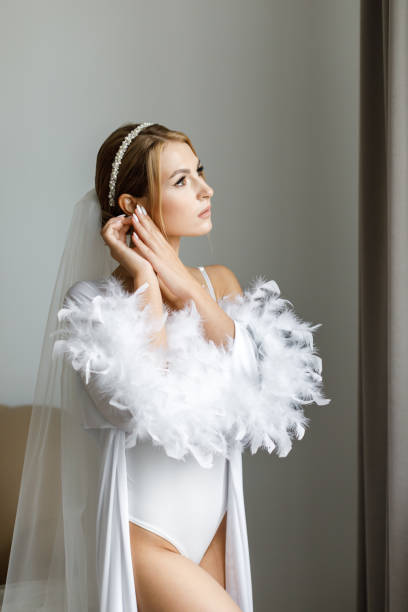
pixel 118 158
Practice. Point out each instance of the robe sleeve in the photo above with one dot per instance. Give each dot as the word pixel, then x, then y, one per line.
pixel 244 356
pixel 91 339
pixel 275 347
pixel 151 392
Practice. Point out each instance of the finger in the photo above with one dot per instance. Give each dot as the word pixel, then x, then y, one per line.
pixel 156 231
pixel 118 223
pixel 116 228
pixel 144 249
pixel 144 227
pixel 139 226
pixel 138 215
pixel 115 221
pixel 123 219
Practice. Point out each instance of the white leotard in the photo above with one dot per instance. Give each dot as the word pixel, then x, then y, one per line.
pixel 177 499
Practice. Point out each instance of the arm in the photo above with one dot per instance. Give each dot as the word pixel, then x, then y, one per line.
pixel 210 397
pixel 217 324
pixel 108 335
pixel 105 338
pixel 152 296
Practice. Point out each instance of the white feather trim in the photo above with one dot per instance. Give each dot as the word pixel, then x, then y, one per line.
pixel 190 397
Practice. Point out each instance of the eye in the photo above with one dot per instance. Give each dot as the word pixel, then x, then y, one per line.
pixel 200 170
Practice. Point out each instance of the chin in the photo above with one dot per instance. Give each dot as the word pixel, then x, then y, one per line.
pixel 199 232
pixel 194 229
pixel 207 227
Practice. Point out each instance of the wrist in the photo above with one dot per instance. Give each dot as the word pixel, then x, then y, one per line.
pixel 141 275
pixel 194 291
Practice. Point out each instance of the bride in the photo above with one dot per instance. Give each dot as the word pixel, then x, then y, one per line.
pixel 161 375
pixel 180 501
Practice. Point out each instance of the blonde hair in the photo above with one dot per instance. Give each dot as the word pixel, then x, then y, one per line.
pixel 139 171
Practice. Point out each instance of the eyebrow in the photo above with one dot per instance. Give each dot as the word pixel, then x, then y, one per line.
pixel 186 170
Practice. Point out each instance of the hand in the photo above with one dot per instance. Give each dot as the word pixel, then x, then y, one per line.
pixel 174 279
pixel 114 235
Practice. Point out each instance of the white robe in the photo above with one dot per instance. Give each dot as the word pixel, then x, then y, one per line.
pixel 259 384
pixel 114 563
pixel 113 555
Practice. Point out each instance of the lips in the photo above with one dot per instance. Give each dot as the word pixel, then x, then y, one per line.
pixel 205 210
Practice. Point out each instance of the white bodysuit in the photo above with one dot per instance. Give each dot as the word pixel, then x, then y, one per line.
pixel 178 500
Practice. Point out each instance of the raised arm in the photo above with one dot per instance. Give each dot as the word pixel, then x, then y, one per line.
pixel 194 395
pixel 152 295
pixel 108 334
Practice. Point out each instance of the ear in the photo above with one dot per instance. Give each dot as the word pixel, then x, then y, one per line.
pixel 127 203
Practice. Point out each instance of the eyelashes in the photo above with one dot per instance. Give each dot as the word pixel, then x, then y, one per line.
pixel 200 170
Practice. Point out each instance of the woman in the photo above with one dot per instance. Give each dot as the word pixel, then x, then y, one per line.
pixel 179 372
pixel 161 572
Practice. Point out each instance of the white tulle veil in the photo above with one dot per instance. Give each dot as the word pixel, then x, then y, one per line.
pixel 52 559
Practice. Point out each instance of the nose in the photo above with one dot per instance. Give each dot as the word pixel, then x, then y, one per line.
pixel 207 191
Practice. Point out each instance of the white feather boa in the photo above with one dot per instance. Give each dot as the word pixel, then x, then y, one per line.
pixel 192 396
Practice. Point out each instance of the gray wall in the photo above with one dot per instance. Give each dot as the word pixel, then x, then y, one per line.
pixel 268 93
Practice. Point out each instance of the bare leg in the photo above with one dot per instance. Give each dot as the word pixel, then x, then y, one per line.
pixel 213 560
pixel 166 581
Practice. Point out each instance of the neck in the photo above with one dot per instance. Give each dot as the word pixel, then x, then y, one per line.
pixel 174 241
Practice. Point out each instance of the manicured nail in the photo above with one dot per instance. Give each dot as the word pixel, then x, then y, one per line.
pixel 139 208
pixel 135 236
pixel 124 215
pixel 135 217
pixel 144 210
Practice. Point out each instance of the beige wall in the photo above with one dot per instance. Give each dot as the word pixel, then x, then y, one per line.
pixel 268 92
pixel 14 424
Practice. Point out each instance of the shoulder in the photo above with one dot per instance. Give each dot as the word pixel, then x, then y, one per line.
pixel 224 281
pixel 82 290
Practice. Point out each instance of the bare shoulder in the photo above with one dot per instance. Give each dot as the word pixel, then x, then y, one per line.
pixel 224 281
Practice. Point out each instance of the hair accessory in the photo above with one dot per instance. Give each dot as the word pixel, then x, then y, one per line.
pixel 118 158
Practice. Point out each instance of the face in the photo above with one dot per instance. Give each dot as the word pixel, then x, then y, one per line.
pixel 185 192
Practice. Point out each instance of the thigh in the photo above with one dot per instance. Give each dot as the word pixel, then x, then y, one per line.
pixel 167 581
pixel 213 560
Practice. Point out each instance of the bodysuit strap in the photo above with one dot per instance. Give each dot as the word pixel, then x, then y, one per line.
pixel 207 280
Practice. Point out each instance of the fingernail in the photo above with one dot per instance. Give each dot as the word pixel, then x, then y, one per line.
pixel 124 215
pixel 135 236
pixel 135 217
pixel 144 210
